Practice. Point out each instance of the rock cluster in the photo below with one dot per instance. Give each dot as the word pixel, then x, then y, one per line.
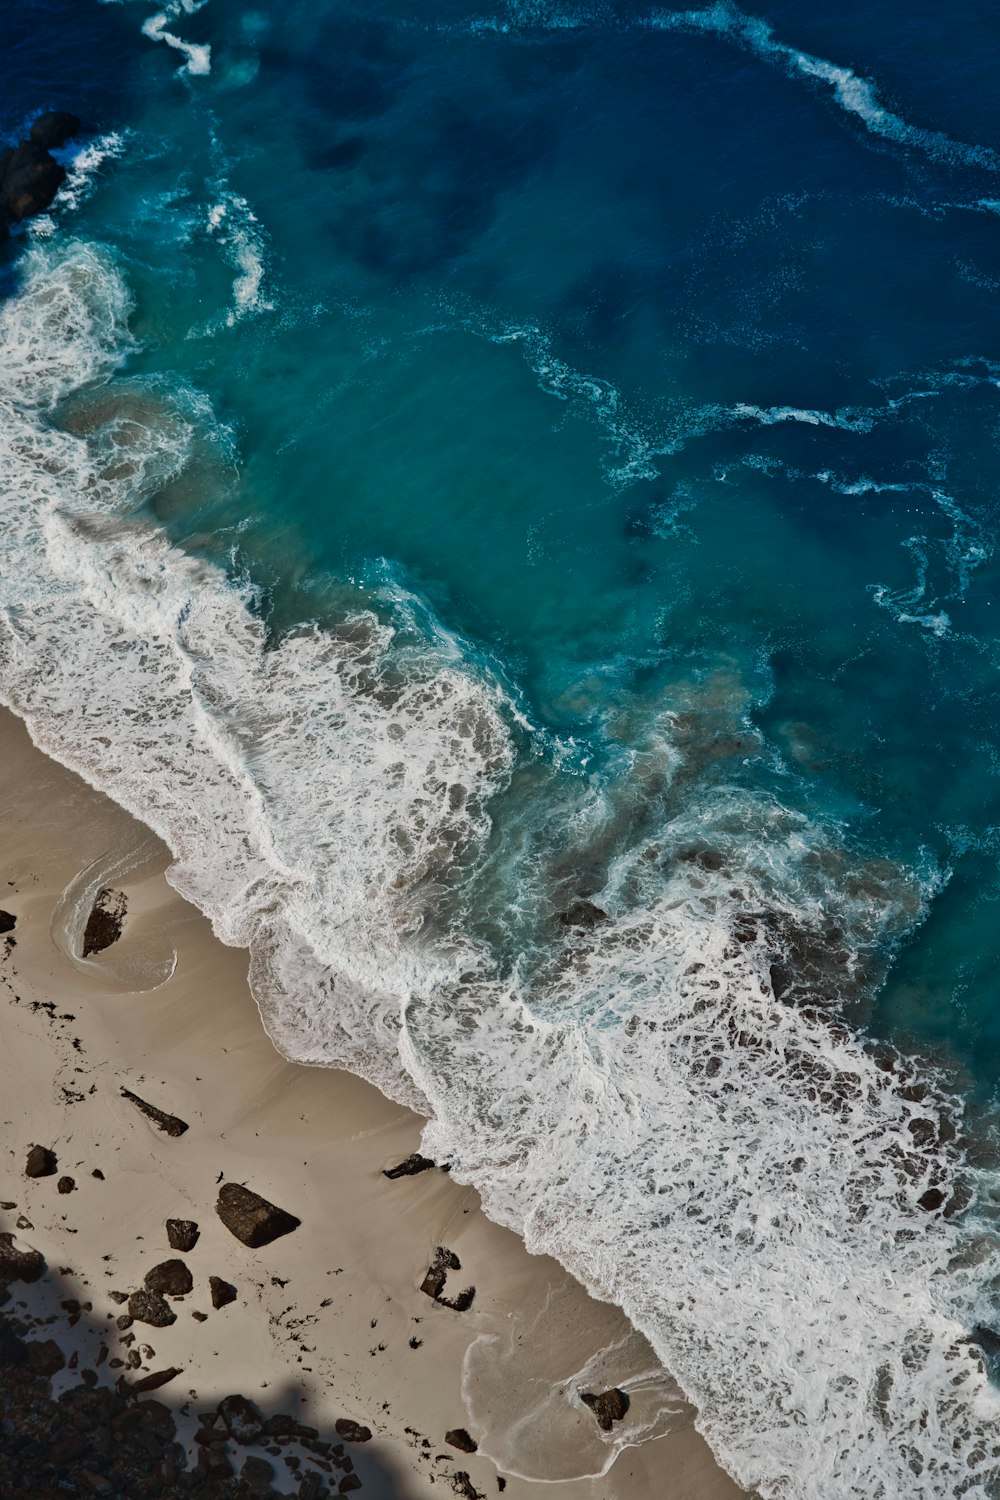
pixel 433 1283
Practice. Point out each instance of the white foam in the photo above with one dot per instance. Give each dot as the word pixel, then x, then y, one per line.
pixel 735 1171
pixel 234 224
pixel 198 56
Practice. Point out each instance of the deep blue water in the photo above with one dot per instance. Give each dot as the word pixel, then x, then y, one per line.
pixel 653 363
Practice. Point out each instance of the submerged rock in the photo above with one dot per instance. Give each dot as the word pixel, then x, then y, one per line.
pixel 223 1292
pixel 149 1307
pixel 169 1124
pixel 583 914
pixel 252 1219
pixel 54 129
pixel 182 1234
pixel 105 923
pixel 41 1162
pixel 608 1406
pixel 171 1278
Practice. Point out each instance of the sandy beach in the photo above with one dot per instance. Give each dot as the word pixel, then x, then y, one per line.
pixel 329 1322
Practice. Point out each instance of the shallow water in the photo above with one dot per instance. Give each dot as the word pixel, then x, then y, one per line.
pixel 462 465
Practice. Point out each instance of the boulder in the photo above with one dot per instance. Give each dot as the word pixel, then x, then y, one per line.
pixel 41 1162
pixel 66 1185
pixel 241 1419
pixel 348 1483
pixel 461 1302
pixel 409 1168
pixel 171 1278
pixel 169 1124
pixel 256 1473
pixel 149 1307
pixel 460 1439
pixel 54 129
pixel 18 1265
pixel 223 1292
pixel 7 921
pixel 105 923
pixel 45 1358
pixel 607 1406
pixel 252 1219
pixel 182 1234
pixel 352 1432
pixel 29 180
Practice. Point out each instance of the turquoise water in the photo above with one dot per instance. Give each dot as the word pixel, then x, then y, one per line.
pixel 576 432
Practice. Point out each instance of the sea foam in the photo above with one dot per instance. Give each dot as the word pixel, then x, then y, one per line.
pixel 664 1098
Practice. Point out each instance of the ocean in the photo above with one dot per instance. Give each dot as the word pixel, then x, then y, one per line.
pixel 508 492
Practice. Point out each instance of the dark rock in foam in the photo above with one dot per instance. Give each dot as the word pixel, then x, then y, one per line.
pixel 251 1218
pixel 409 1167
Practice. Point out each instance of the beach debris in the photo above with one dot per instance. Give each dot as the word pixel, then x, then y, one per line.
pixel 18 1265
pixel 223 1292
pixel 8 921
pixel 171 1278
pixel 169 1124
pixel 409 1168
pixel 462 1485
pixel 607 1406
pixel 252 1219
pixel 584 915
pixel 41 1162
pixel 66 1185
pixel 459 1438
pixel 352 1432
pixel 182 1234
pixel 105 923
pixel 149 1307
pixel 241 1419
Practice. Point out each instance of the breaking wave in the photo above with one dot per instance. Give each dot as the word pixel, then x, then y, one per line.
pixel 656 1080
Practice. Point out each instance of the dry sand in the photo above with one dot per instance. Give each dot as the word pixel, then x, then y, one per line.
pixel 329 1321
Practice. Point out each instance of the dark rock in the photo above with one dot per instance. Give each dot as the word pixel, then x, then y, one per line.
pixel 124 1321
pixel 98 1174
pixel 409 1168
pixel 169 1124
pixel 45 1359
pixel 223 1292
pixel 459 1438
pixel 584 915
pixel 182 1234
pixel 609 1406
pixel 18 1265
pixel 105 923
pixel 462 1302
pixel 241 1419
pixel 310 1485
pixel 54 129
pixel 437 1272
pixel 118 1297
pixel 171 1278
pixel 149 1307
pixel 41 1162
pixel 29 181
pixel 348 1483
pixel 253 1220
pixel 155 1380
pixel 352 1432
pixel 200 1317
pixel 931 1200
pixel 7 921
pixel 66 1185
pixel 256 1472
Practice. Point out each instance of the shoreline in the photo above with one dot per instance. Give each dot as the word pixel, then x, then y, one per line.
pixel 331 1314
